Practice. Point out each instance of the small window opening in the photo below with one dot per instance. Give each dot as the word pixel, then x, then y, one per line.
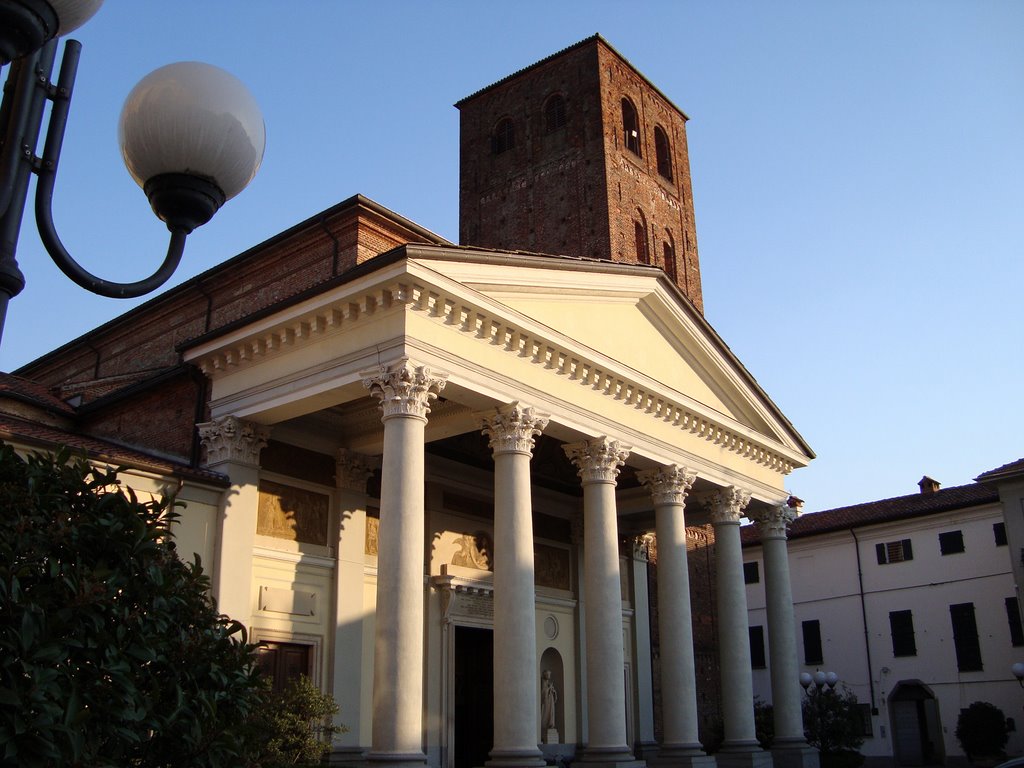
pixel 663 152
pixel 504 137
pixel 554 113
pixel 630 127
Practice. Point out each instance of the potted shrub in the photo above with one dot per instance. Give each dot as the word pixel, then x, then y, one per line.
pixel 982 733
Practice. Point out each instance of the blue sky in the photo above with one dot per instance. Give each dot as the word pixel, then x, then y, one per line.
pixel 857 173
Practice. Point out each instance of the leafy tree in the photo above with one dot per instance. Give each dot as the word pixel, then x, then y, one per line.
pixel 832 723
pixel 111 650
pixel 981 730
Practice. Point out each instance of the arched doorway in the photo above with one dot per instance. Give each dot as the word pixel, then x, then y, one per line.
pixel 916 729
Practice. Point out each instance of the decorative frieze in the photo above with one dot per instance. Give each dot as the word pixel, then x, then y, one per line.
pixel 232 439
pixel 597 460
pixel 404 389
pixel 727 505
pixel 668 485
pixel 512 428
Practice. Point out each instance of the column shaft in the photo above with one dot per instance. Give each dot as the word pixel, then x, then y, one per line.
pixel 785 670
pixel 733 633
pixel 516 712
pixel 405 391
pixel 598 462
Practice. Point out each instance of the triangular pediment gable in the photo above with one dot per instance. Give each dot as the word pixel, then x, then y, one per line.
pixel 635 320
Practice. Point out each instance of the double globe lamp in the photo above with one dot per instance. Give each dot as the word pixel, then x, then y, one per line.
pixel 191 136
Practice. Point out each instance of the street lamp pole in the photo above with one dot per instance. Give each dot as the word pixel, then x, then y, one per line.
pixel 188 166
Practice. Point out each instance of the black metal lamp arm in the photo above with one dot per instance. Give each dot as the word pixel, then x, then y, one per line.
pixel 46 170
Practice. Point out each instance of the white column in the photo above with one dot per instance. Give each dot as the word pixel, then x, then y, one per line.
pixel 405 391
pixel 233 447
pixel 512 429
pixel 789 748
pixel 598 461
pixel 680 742
pixel 352 470
pixel 740 746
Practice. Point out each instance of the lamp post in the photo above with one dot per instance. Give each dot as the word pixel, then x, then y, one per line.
pixel 191 136
pixel 813 685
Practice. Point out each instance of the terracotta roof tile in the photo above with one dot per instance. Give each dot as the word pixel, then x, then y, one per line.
pixel 1007 470
pixel 883 511
pixel 46 437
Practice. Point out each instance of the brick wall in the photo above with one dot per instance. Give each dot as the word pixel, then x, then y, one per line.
pixel 578 190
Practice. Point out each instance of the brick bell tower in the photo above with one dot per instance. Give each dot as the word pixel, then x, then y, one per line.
pixel 580 155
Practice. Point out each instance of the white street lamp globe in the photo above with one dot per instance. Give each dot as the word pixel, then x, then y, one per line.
pixel 820 678
pixel 72 14
pixel 806 679
pixel 831 678
pixel 1018 670
pixel 194 124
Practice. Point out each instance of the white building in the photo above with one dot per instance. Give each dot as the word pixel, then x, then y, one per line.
pixel 911 601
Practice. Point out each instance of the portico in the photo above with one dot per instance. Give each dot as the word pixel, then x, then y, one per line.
pixel 525 417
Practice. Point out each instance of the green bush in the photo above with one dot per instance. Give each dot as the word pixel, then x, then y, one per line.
pixel 832 723
pixel 764 722
pixel 111 650
pixel 291 728
pixel 981 730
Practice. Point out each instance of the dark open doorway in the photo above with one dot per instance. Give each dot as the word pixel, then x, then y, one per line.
pixel 916 728
pixel 474 696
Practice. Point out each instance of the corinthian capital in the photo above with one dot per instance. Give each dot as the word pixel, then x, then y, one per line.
pixel 727 505
pixel 231 439
pixel 512 428
pixel 352 470
pixel 773 521
pixel 597 460
pixel 668 485
pixel 404 389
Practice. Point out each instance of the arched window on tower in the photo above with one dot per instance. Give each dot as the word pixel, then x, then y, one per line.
pixel 669 255
pixel 640 238
pixel 630 127
pixel 663 152
pixel 504 137
pixel 554 113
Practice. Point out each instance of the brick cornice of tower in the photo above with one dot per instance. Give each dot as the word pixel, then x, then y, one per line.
pixel 595 39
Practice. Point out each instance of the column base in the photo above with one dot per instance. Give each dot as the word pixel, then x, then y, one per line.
pixel 795 753
pixel 682 756
pixel 609 757
pixel 515 758
pixel 346 756
pixel 743 754
pixel 396 759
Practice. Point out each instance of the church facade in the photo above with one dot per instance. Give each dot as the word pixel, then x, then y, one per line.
pixel 426 474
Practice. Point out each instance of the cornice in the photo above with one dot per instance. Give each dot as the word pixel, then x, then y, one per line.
pixel 417 289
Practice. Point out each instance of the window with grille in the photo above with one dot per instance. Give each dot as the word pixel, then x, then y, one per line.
pixel 901 624
pixel 965 637
pixel 951 542
pixel 554 113
pixel 630 127
pixel 894 551
pixel 504 137
pixel 1013 617
pixel 999 534
pixel 663 152
pixel 757 658
pixel 812 642
pixel 751 573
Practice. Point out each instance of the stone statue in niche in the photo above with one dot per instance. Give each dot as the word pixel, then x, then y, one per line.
pixel 474 551
pixel 548 702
